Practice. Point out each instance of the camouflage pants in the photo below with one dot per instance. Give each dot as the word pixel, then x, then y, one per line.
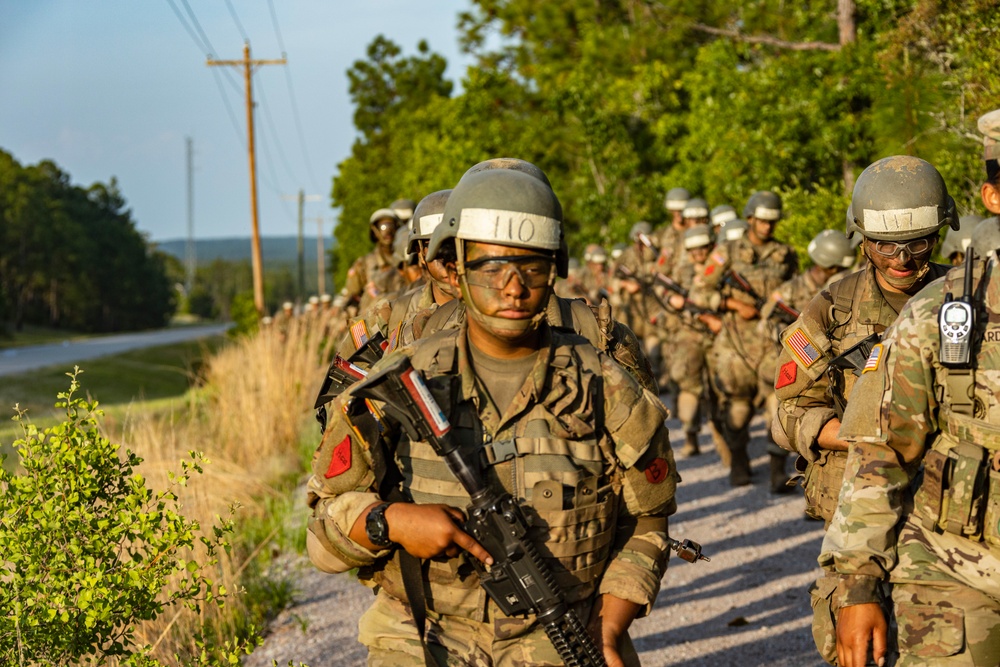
pixel 946 623
pixel 388 630
pixel 689 349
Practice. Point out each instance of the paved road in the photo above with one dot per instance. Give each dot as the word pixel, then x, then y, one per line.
pixel 69 352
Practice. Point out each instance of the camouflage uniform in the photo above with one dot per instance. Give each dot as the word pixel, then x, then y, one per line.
pixel 691 342
pixel 387 316
pixel 810 391
pixel 920 504
pixel 737 352
pixel 360 276
pixel 641 308
pixel 595 285
pixel 593 469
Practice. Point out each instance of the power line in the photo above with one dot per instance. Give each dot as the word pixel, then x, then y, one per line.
pixel 296 116
pixel 180 17
pixel 211 49
pixel 236 19
pixel 274 131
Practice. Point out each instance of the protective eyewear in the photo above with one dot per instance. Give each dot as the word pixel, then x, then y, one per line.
pixel 385 225
pixel 495 272
pixel 916 247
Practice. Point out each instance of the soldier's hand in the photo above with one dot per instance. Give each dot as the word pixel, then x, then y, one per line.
pixel 744 310
pixel 713 323
pixel 676 301
pixel 857 626
pixel 426 531
pixel 609 621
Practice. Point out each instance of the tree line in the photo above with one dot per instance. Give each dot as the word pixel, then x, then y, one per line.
pixel 620 100
pixel 71 257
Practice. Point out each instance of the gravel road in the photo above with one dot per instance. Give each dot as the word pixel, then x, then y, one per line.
pixel 748 606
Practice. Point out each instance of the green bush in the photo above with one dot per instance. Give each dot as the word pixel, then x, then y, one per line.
pixel 89 551
pixel 244 315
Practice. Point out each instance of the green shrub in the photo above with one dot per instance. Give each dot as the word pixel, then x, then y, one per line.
pixel 244 315
pixel 88 551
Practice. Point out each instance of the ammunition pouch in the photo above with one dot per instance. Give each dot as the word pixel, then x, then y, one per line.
pixel 960 489
pixel 823 479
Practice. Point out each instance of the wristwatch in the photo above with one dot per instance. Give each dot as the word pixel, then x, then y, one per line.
pixel 377 528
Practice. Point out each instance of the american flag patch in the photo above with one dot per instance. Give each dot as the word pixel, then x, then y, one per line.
pixel 802 348
pixel 359 332
pixel 718 259
pixel 874 359
pixel 394 338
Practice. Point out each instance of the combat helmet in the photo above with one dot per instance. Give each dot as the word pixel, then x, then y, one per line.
pixel 380 214
pixel 900 198
pixel 722 214
pixel 403 208
pixel 426 217
pixel 986 236
pixel 617 250
pixel 525 167
pixel 696 207
pixel 831 248
pixel 401 255
pixel 763 205
pixel 697 236
pixel 676 199
pixel 595 254
pixel 641 227
pixel 732 230
pixel 958 240
pixel 505 207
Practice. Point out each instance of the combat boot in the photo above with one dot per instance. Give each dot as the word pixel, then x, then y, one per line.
pixel 779 480
pixel 690 445
pixel 739 470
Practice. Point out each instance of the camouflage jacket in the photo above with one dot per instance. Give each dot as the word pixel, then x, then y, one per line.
pixel 361 274
pixel 580 429
pixel 387 316
pixel 672 254
pixel 809 391
pixel 922 496
pixel 796 294
pixel 595 286
pixel 765 267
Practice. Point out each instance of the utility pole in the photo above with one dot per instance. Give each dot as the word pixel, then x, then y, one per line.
pixel 189 254
pixel 302 198
pixel 320 256
pixel 256 261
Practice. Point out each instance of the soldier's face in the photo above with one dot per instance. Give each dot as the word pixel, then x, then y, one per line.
pixel 385 232
pixel 900 269
pixel 699 255
pixel 514 300
pixel 761 231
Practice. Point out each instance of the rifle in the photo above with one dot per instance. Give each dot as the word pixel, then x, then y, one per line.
pixel 852 359
pixel 785 313
pixel 671 285
pixel 342 373
pixel 519 581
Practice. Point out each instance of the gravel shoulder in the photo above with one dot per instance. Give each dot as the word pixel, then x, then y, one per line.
pixel 748 606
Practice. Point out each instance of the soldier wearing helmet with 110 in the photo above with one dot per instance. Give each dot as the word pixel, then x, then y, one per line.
pixel 920 504
pixel 555 422
pixel 764 264
pixel 898 205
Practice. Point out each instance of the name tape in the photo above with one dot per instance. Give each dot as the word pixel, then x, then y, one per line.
pixel 901 219
pixel 697 241
pixel 725 216
pixel 509 227
pixel 428 223
pixel 765 213
pixel 695 212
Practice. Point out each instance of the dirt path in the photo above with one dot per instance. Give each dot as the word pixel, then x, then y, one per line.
pixel 748 606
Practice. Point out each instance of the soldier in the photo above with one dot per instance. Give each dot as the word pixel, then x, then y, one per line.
pixel 831 254
pixel 956 241
pixel 692 341
pixel 823 349
pixel 722 214
pixel 920 506
pixel 381 231
pixel 812 388
pixel 671 239
pixel 594 279
pixel 731 230
pixel 674 202
pixel 589 458
pixel 738 349
pixel 641 306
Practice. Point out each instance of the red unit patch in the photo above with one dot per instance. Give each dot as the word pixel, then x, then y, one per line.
pixel 656 471
pixel 786 375
pixel 710 269
pixel 340 462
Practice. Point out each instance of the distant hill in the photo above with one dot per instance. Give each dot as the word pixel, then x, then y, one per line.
pixel 276 250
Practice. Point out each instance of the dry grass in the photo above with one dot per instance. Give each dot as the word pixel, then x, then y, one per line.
pixel 248 422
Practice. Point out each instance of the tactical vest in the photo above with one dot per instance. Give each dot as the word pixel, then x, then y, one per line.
pixel 960 489
pixel 765 268
pixel 551 459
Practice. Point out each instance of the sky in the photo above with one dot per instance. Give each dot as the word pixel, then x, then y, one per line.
pixel 112 88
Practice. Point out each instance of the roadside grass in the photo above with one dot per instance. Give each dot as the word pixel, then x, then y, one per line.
pixel 36 335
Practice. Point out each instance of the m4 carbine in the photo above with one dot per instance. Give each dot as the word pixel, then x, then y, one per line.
pixel 782 311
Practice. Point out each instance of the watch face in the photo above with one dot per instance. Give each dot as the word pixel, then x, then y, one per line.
pixel 376 527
